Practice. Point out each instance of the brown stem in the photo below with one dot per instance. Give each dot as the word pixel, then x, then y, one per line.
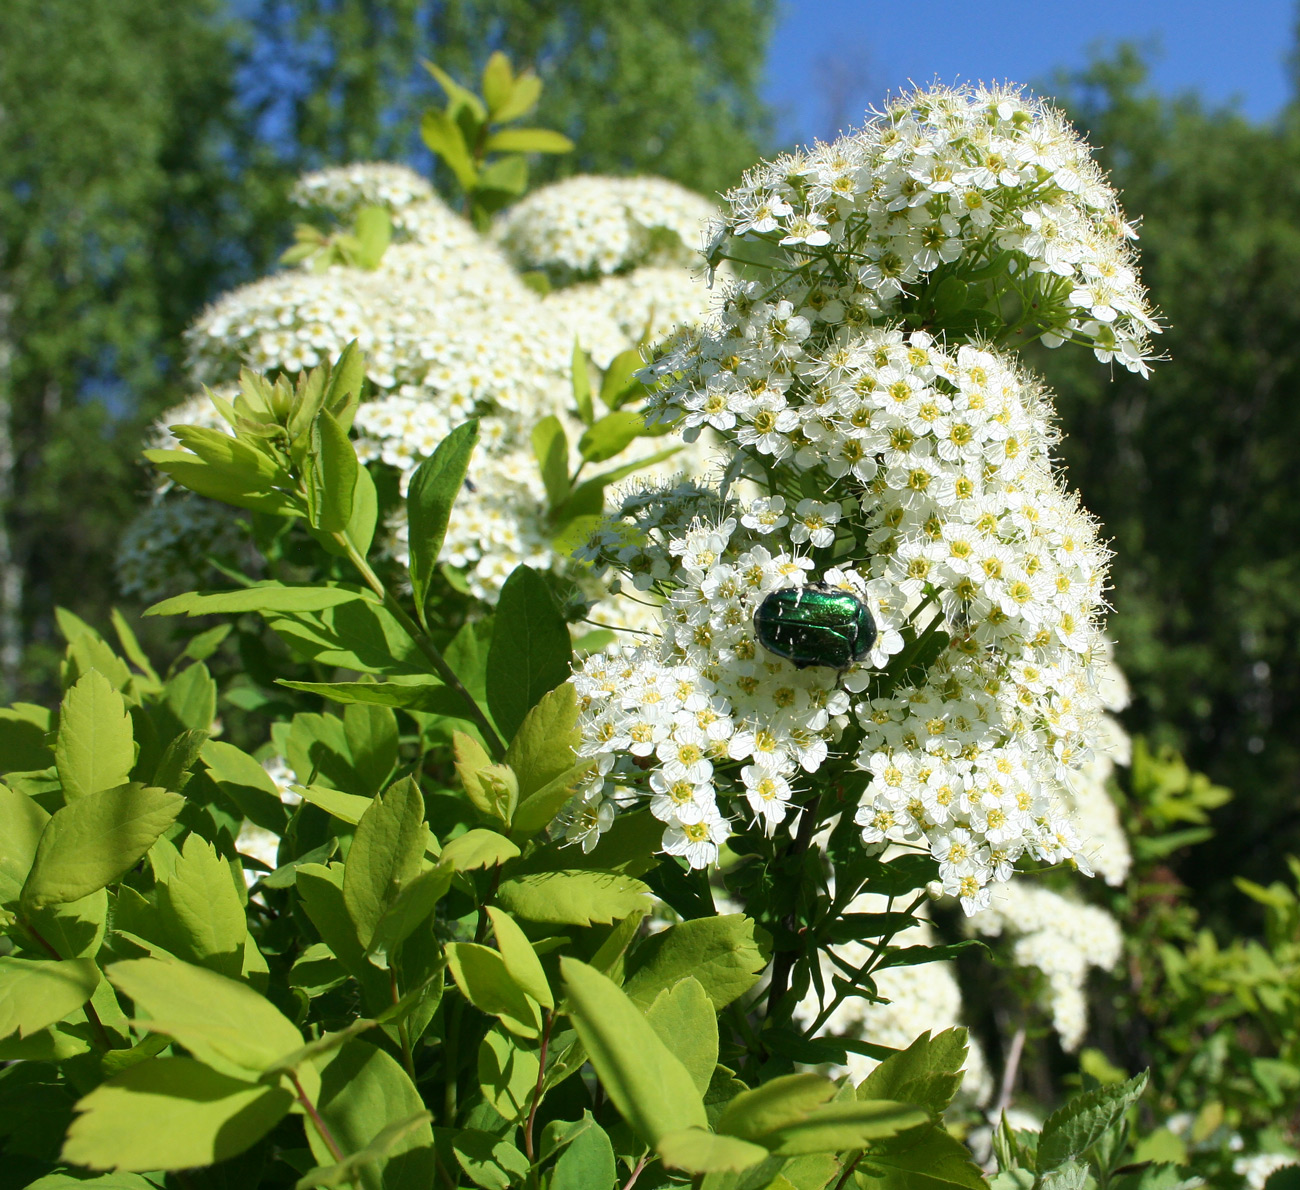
pixel 88 1008
pixel 537 1090
pixel 321 1127
pixel 848 1172
pixel 636 1172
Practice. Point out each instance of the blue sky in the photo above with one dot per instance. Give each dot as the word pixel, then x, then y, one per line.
pixel 831 58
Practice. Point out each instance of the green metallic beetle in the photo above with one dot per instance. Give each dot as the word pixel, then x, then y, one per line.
pixel 815 625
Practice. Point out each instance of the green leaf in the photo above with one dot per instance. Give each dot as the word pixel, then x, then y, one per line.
pixel 76 929
pixel 189 701
pixel 1073 1175
pixel 246 783
pixel 23 747
pixel 1070 1131
pixel 573 897
pixel 837 1126
pixel 374 230
pixel 492 788
pixel 220 1021
pixel 697 1150
pixel 543 747
pixel 498 82
pixel 94 749
pixel 723 953
pixel 652 1090
pixel 489 1162
pixel 24 820
pixel 371 733
pixel 582 385
pixel 506 178
pixel 443 135
pixel 261 597
pixel 107 1181
pixel 477 848
pixel 545 803
pixel 425 693
pixel 331 476
pixel 171 1113
pixel 481 974
pixel 610 435
pixel 588 496
pixel 429 499
pixel 777 1103
pixel 507 1073
pixel 386 853
pixel 347 1171
pixel 458 95
pixel 587 1161
pixel 521 960
pixel 934 1160
pixel 524 96
pixel 95 840
pixel 35 993
pixel 202 911
pixel 928 1073
pixel 412 905
pixel 551 447
pixel 687 1024
pixel 241 487
pixel 347 379
pixel 528 140
pixel 530 652
pixel 346 807
pixel 619 384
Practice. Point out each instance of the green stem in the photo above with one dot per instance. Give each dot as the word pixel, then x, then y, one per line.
pixel 426 646
pixel 537 1090
pixel 451 1059
pixel 403 1029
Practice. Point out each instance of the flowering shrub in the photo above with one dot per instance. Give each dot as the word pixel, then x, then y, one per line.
pixel 350 896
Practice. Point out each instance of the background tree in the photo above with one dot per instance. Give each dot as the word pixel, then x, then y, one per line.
pixel 1195 474
pixel 146 151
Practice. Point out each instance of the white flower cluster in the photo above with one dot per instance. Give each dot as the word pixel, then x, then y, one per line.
pixel 703 708
pixel 913 1000
pixel 938 464
pixel 944 182
pixel 643 306
pixel 165 549
pixel 342 190
pixel 1259 1167
pixel 591 226
pixel 1059 936
pixel 450 331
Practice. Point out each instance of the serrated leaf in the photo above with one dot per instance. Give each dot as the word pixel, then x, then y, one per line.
pixel 201 910
pixel 35 993
pixel 684 1018
pixel 652 1090
pixel 530 652
pixel 480 973
pixel 24 821
pixel 95 840
pixel 171 1113
pixel 429 499
pixel 930 1160
pixel 1070 1131
pixel 94 749
pixel 573 897
pixel 477 848
pixel 722 952
pixel 221 1021
pixel 927 1073
pixel 23 744
pixel 386 853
